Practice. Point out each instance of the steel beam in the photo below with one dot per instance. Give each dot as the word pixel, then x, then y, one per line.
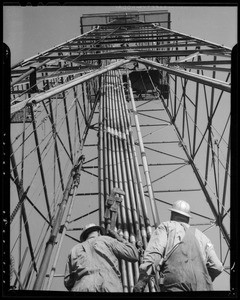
pixel 184 74
pixel 126 52
pixel 210 44
pixel 30 71
pixel 41 165
pixel 67 85
pixel 24 214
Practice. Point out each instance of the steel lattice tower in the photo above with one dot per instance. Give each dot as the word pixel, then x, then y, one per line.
pixel 129 103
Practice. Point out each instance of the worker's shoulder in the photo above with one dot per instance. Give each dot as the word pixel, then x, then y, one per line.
pixel 105 238
pixel 201 236
pixel 108 240
pixel 164 224
pixel 198 231
pixel 76 247
pixel 172 224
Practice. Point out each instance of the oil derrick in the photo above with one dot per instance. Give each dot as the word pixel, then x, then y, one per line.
pixel 129 103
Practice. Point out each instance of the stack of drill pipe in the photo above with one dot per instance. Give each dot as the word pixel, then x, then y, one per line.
pixel 108 160
pixel 118 167
pixel 126 183
pixel 109 163
pixel 139 195
pixel 129 185
pixel 138 187
pixel 131 205
pixel 104 180
pixel 122 220
pixel 131 152
pixel 144 158
pixel 146 172
pixel 128 146
pixel 126 220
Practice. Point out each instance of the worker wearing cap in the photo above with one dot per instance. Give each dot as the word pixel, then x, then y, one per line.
pixel 183 257
pixel 93 265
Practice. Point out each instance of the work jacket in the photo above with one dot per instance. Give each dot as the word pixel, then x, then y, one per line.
pixel 93 265
pixel 168 238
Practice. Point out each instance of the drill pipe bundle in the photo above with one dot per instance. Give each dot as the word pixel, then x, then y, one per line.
pixel 118 167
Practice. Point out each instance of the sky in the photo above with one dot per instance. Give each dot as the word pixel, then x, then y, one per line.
pixel 31 30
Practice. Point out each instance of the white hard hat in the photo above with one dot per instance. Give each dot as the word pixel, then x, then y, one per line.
pixel 89 228
pixel 181 207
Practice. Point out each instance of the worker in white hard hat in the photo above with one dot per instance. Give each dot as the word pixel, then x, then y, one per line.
pixel 182 257
pixel 93 264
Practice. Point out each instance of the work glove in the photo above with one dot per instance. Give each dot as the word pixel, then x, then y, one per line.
pixel 116 236
pixel 142 282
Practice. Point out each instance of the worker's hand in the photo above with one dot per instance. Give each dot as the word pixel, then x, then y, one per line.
pixel 115 235
pixel 142 282
pixel 139 286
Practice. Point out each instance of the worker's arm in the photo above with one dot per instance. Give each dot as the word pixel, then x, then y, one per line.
pixel 152 257
pixel 214 265
pixel 155 249
pixel 122 248
pixel 69 275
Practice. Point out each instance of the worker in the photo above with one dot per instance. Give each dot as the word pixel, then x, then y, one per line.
pixel 93 264
pixel 181 257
